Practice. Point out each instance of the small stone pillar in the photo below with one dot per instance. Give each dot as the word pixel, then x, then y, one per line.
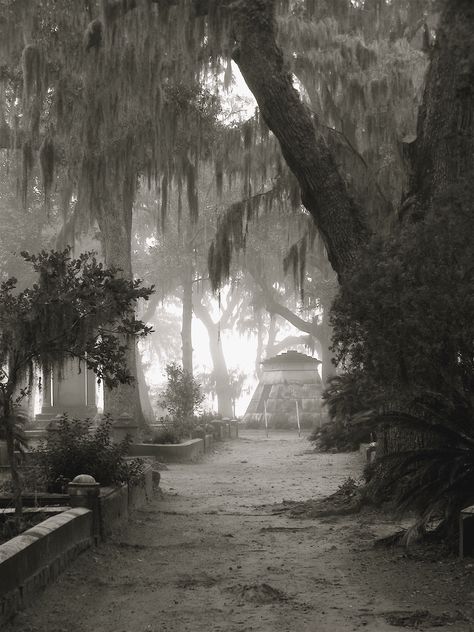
pixel 219 433
pixel 122 426
pixel 84 491
pixel 234 429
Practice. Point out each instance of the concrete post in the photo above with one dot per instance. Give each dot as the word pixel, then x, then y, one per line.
pixel 84 491
pixel 234 429
pixel 218 430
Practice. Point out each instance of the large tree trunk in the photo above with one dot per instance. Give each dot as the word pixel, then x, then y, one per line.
pixel 443 156
pixel 187 320
pixel 220 371
pixel 115 223
pixel 304 148
pixel 144 393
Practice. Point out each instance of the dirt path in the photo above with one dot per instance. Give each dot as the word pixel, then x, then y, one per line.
pixel 208 557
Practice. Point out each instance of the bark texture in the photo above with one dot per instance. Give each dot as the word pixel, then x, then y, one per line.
pixel 444 149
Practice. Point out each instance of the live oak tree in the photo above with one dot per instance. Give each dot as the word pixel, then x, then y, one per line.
pixel 132 36
pixel 97 116
pixel 440 167
pixel 76 308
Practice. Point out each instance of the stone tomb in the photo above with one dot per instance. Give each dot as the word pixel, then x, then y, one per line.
pixel 287 378
pixel 70 389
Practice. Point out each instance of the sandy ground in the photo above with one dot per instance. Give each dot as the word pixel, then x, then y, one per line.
pixel 208 557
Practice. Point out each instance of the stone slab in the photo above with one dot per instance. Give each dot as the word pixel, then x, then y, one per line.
pixel 187 451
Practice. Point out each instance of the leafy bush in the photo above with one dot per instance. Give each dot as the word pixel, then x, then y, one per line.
pixel 335 437
pixel 182 398
pixel 74 449
pixel 207 416
pixel 403 318
pixel 199 432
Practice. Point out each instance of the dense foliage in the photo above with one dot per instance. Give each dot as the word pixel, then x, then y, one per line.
pixel 403 321
pixel 71 448
pixel 77 308
pixel 405 335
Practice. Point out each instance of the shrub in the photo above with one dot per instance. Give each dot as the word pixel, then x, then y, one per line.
pixel 336 437
pixel 182 398
pixel 199 432
pixel 74 449
pixel 207 416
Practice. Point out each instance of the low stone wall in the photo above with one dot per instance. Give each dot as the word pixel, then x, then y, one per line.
pixel 113 509
pixel 187 451
pixel 116 503
pixel 224 429
pixel 141 493
pixel 36 557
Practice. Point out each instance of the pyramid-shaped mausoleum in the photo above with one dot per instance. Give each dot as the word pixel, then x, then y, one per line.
pixel 287 378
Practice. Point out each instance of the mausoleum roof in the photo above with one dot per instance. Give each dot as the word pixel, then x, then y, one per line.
pixel 291 357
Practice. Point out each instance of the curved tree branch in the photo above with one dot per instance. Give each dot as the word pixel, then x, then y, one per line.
pixel 303 145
